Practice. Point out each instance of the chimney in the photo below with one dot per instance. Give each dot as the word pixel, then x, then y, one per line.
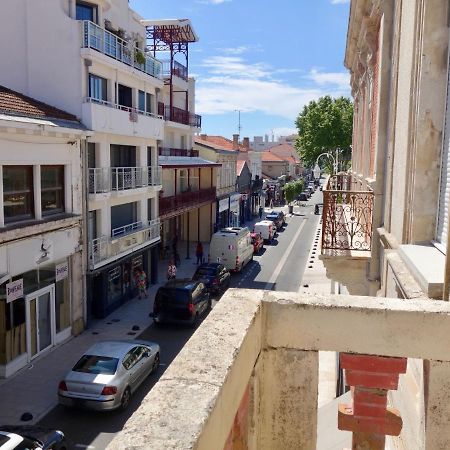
pixel 235 142
pixel 203 137
pixel 246 143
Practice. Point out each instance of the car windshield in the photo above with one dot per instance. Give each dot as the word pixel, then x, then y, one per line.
pixel 181 295
pixel 103 365
pixel 205 271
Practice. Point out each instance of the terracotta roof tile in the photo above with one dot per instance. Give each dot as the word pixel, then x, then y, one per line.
pixel 268 156
pixel 239 166
pixel 12 102
pixel 285 151
pixel 219 142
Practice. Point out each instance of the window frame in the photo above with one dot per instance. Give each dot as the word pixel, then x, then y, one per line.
pixel 61 189
pixel 92 6
pixel 103 89
pixel 30 214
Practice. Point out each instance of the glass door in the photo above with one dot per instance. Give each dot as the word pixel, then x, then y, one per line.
pixel 40 320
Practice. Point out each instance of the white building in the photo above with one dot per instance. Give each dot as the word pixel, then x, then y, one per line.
pixel 89 58
pixel 41 264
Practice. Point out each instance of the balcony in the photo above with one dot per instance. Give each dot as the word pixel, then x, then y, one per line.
pixel 124 240
pixel 177 70
pixel 248 378
pixel 109 44
pixel 166 151
pixel 176 204
pixel 179 115
pixel 111 179
pixel 108 117
pixel 347 216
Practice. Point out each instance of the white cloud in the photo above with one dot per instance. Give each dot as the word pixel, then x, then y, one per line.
pixel 240 49
pixel 339 2
pixel 235 84
pixel 341 79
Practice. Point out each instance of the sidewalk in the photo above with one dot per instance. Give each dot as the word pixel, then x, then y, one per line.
pixel 34 388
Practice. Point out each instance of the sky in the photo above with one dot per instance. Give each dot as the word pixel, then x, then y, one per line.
pixel 266 58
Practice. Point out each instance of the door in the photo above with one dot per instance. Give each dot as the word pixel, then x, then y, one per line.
pixel 40 320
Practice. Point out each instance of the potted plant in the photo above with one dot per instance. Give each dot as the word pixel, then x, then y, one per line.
pixel 139 57
pixel 289 194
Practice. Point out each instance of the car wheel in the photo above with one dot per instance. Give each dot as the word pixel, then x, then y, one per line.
pixel 194 322
pixel 155 363
pixel 125 400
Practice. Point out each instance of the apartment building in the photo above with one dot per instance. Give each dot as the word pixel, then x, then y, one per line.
pixel 385 224
pixel 90 59
pixel 41 241
pixel 226 177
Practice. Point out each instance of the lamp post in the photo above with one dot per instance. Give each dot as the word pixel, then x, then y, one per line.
pixel 335 162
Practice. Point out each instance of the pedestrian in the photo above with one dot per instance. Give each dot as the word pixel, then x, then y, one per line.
pixel 199 252
pixel 141 282
pixel 171 271
pixel 260 211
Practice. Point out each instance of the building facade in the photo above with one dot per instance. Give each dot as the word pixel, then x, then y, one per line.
pixel 42 297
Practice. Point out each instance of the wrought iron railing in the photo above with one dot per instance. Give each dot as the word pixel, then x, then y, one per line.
pixel 178 70
pixel 347 215
pixel 166 151
pixel 125 51
pixel 186 200
pixel 179 115
pixel 106 179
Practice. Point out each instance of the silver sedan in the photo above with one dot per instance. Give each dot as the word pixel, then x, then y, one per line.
pixel 108 373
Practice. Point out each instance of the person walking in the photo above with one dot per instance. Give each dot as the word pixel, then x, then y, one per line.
pixel 260 212
pixel 141 282
pixel 171 271
pixel 199 252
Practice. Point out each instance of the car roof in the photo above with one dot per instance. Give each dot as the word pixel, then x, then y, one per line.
pixel 114 349
pixel 181 283
pixel 13 442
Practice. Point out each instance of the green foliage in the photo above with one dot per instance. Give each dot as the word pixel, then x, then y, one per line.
pixel 292 189
pixel 139 56
pixel 323 126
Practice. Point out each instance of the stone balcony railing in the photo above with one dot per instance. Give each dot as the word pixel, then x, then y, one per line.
pixel 347 215
pixel 248 377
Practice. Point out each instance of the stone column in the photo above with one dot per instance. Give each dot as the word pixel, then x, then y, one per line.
pixel 288 386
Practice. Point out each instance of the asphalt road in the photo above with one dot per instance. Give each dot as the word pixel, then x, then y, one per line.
pixel 280 267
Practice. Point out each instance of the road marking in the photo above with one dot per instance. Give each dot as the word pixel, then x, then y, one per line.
pixel 280 265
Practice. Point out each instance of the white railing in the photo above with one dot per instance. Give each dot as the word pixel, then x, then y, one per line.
pixel 111 45
pixel 121 107
pixel 106 179
pixel 123 239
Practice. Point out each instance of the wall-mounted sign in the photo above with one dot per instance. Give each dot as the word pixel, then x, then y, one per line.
pixel 14 290
pixel 62 271
pixel 224 204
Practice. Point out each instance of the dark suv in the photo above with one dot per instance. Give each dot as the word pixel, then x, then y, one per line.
pixel 276 217
pixel 214 276
pixel 181 301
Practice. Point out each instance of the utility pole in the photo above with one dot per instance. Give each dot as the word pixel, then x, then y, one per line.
pixel 239 121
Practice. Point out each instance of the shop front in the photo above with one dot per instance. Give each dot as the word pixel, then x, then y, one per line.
pixel 37 305
pixel 223 213
pixel 235 200
pixel 111 286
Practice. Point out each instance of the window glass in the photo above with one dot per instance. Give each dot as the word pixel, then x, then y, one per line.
pixel 132 357
pixel 97 88
pixel 62 304
pixel 114 285
pixel 85 11
pixel 141 106
pixel 18 200
pixel 149 103
pixel 52 189
pixel 103 365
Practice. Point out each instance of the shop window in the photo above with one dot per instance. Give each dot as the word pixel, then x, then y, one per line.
pixel 62 304
pixel 52 189
pixel 18 200
pixel 114 285
pixel 141 100
pixel 15 313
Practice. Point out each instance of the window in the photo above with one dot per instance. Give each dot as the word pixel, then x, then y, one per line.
pixel 18 200
pixel 133 357
pixel 99 365
pixel 97 88
pixel 141 103
pixel 149 103
pixel 86 11
pixel 15 313
pixel 52 189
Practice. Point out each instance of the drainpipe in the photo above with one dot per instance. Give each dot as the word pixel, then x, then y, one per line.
pixel 85 220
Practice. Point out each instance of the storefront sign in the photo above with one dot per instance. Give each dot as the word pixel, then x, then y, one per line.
pixel 62 271
pixel 234 202
pixel 223 204
pixel 14 290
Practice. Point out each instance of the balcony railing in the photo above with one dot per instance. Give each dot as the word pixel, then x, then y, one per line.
pixel 111 45
pixel 123 239
pixel 130 110
pixel 178 70
pixel 179 115
pixel 166 151
pixel 347 215
pixel 185 200
pixel 107 179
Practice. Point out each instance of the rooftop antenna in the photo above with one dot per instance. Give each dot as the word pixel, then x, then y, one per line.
pixel 239 121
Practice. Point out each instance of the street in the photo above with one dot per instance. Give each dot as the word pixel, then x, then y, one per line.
pixel 280 267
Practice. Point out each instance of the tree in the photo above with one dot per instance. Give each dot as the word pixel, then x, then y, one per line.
pixel 324 126
pixel 292 189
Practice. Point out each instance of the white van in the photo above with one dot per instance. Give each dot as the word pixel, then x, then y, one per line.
pixel 231 247
pixel 266 228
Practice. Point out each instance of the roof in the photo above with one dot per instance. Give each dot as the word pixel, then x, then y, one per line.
pixel 185 161
pixel 165 27
pixel 219 142
pixel 270 157
pixel 16 104
pixel 212 145
pixel 286 152
pixel 239 166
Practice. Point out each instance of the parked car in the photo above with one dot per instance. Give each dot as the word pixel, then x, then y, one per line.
pixel 266 228
pixel 181 301
pixel 23 437
pixel 231 247
pixel 303 196
pixel 257 241
pixel 214 276
pixel 277 217
pixel 108 374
